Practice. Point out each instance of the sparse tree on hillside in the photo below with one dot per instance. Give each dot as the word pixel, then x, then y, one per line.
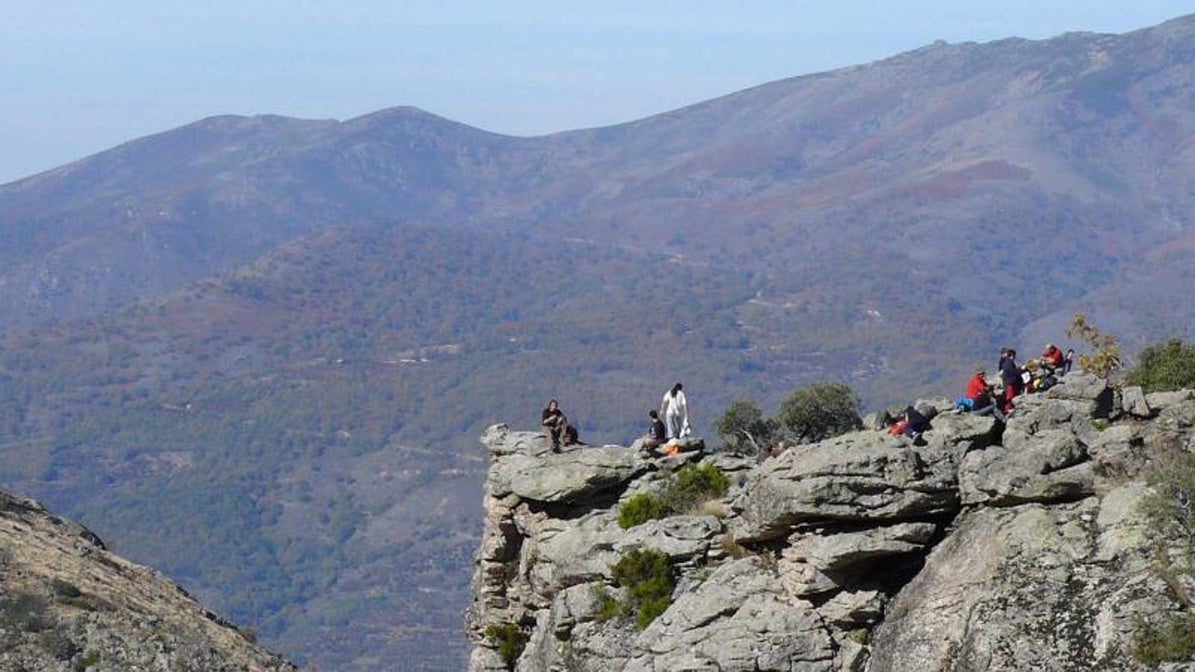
pixel 744 429
pixel 820 411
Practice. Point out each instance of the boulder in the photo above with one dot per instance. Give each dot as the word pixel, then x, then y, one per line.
pixel 854 609
pixel 1117 451
pixel 962 432
pixel 681 538
pixel 1020 588
pixel 558 553
pixel 1160 400
pixel 1000 476
pixel 992 545
pixel 1083 387
pixel 571 476
pixel 844 552
pixel 739 619
pixel 1132 400
pixel 860 477
pixel 801 579
pixel 500 440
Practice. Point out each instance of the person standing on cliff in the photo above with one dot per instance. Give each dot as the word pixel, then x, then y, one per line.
pixel 1010 375
pixel 675 410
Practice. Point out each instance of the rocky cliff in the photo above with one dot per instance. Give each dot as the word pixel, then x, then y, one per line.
pixel 982 546
pixel 66 603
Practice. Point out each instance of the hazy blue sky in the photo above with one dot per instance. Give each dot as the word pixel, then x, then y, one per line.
pixel 79 76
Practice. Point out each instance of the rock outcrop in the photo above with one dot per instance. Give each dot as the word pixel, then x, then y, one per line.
pixel 982 546
pixel 67 604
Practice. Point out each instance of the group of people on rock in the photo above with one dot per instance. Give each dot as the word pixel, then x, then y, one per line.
pixel 671 421
pixel 1036 376
pixel 982 397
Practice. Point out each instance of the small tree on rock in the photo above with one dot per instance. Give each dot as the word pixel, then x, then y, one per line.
pixel 1107 356
pixel 820 411
pixel 744 429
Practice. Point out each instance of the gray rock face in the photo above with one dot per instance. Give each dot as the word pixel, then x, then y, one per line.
pixel 1034 575
pixel 984 546
pixel 1134 403
pixel 862 477
pixel 739 619
pixel 836 553
pixel 564 477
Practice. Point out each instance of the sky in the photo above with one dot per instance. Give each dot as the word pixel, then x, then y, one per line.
pixel 81 76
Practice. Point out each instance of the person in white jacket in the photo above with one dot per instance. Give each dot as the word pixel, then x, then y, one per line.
pixel 675 410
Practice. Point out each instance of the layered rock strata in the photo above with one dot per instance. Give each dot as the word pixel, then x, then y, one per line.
pixel 982 546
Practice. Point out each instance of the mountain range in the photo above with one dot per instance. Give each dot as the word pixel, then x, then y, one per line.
pixel 255 352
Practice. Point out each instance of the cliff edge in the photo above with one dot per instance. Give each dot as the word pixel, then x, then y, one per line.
pixel 982 546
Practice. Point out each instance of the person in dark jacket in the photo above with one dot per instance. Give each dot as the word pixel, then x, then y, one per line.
pixel 554 424
pixel 655 433
pixel 915 423
pixel 1010 375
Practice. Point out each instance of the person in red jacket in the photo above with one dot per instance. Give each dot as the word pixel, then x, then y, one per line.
pixel 1052 357
pixel 978 394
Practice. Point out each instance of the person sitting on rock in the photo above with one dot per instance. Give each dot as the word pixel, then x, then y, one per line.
pixel 915 423
pixel 1052 358
pixel 655 433
pixel 978 396
pixel 554 424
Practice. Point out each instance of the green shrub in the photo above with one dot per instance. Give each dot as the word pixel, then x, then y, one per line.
pixel 820 411
pixel 609 607
pixel 510 640
pixel 744 429
pixel 859 636
pixel 25 612
pixel 695 484
pixel 1168 510
pixel 85 661
pixel 648 579
pixel 1168 507
pixel 691 486
pixel 65 589
pixel 640 509
pixel 1165 367
pixel 1173 641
